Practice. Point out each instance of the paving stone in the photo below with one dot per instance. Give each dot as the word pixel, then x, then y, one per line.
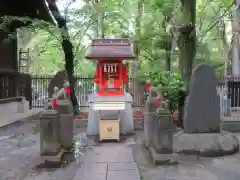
pixel 91 171
pixel 122 166
pixel 123 175
pixel 108 154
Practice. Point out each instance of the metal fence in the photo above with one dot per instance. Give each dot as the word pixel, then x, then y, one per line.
pixel 229 91
pixel 84 86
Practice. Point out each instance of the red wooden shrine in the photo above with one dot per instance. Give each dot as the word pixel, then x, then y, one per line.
pixel 111 74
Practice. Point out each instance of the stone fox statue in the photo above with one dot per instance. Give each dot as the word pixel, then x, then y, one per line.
pixel 63 93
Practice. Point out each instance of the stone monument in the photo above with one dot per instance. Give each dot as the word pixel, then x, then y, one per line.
pixel 49 134
pixel 65 110
pixel 50 144
pixel 56 126
pixel 158 129
pixel 149 117
pixel 201 134
pixel 202 106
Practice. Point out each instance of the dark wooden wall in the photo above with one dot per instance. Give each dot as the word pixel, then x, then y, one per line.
pixel 8 52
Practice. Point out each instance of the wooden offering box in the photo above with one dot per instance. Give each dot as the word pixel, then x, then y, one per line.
pixel 109 130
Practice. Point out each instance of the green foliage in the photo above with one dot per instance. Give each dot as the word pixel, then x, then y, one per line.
pixel 157 19
pixel 168 84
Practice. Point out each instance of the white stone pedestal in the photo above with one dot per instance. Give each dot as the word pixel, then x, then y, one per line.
pixel 110 102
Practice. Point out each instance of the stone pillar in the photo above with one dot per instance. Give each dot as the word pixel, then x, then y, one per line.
pixel 126 116
pixel 149 113
pixel 49 133
pixel 66 122
pixel 163 133
pixel 93 121
pixel 22 105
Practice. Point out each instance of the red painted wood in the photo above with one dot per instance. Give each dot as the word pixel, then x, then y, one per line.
pixel 101 78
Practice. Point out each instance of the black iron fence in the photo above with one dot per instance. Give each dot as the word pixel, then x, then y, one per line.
pixel 228 89
pixel 83 87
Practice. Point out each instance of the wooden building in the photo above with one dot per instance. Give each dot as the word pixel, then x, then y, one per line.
pixel 13 83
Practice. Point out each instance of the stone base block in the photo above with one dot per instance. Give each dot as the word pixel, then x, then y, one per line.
pixel 22 106
pixel 231 126
pixel 161 159
pixel 205 144
pixel 55 159
pixel 66 130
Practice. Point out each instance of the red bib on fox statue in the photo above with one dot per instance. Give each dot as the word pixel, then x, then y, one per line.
pixel 63 93
pixel 147 87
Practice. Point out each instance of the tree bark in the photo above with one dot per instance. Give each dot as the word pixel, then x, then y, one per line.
pixel 187 47
pixel 138 29
pixel 98 7
pixel 167 46
pixel 187 39
pixel 67 48
pixel 235 44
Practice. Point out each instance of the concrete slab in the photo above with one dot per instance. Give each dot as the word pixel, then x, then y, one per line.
pixel 11 118
pixel 109 154
pixel 91 171
pixel 123 175
pixel 110 161
pixel 122 166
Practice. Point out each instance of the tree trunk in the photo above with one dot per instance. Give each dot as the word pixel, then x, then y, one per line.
pixel 138 29
pixel 168 51
pixel 235 44
pixel 187 46
pixel 135 65
pixel 67 48
pixel 187 39
pixel 100 20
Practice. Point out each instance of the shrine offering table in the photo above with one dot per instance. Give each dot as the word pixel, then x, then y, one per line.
pixel 114 108
pixel 109 130
pixel 109 122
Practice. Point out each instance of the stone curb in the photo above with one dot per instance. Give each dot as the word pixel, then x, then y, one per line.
pixel 231 126
pixel 7 120
pixel 206 144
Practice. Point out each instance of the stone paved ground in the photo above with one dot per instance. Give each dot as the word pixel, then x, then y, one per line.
pixel 109 161
pixel 19 155
pixel 189 167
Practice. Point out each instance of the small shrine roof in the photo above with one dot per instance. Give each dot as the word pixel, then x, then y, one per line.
pixel 110 48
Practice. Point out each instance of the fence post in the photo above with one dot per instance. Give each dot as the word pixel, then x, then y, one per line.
pixel 28 90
